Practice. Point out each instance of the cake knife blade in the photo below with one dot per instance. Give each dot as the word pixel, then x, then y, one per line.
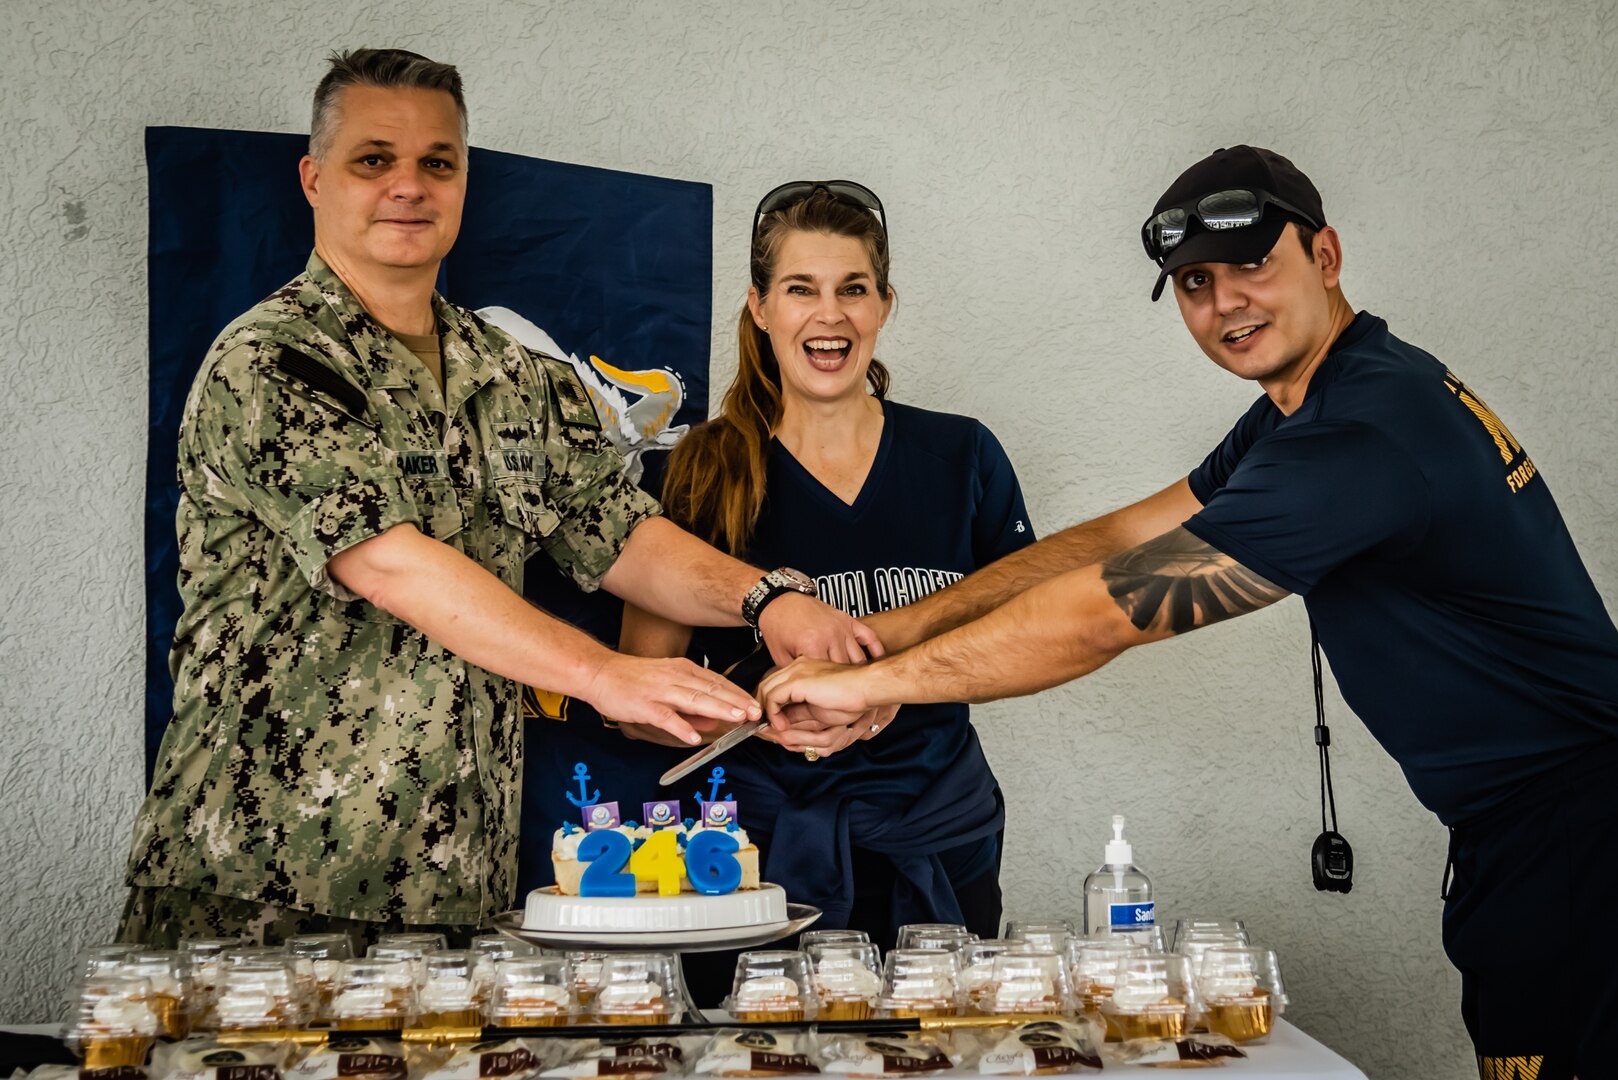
pixel 747 672
pixel 712 750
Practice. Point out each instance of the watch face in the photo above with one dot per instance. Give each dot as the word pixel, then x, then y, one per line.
pixel 798 578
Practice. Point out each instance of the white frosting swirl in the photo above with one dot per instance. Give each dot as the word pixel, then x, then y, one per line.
pixel 535 995
pixel 624 996
pixel 1024 990
pixel 363 1001
pixel 447 992
pixel 1136 994
pixel 922 987
pixel 767 989
pixel 847 979
pixel 565 843
pixel 978 975
pixel 739 833
pixel 124 1016
pixel 246 1007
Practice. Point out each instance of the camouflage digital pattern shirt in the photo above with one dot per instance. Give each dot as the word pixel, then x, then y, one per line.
pixel 323 754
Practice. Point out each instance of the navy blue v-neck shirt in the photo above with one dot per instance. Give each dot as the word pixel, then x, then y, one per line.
pixel 940 501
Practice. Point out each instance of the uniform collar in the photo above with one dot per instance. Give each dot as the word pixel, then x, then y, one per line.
pixel 469 363
pixel 386 362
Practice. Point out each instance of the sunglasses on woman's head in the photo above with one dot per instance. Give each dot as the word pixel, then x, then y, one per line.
pixel 844 191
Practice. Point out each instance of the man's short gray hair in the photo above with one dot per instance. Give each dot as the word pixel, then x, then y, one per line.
pixel 386 68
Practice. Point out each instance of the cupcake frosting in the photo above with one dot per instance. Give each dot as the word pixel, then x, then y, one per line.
pixel 621 996
pixel 124 1016
pixel 768 989
pixel 448 992
pixel 246 1007
pixel 535 995
pixel 848 980
pixel 1024 990
pixel 363 1001
pixel 978 975
pixel 1135 995
pixel 922 988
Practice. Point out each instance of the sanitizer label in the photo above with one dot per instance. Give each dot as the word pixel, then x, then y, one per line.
pixel 1126 916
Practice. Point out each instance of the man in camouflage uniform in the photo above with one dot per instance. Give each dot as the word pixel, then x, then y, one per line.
pixel 364 468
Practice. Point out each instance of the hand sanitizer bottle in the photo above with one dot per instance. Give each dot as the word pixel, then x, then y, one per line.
pixel 1118 895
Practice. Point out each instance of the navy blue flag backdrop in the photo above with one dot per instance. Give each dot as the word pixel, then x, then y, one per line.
pixel 610 270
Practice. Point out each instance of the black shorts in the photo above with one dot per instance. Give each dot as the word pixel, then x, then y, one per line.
pixel 1528 922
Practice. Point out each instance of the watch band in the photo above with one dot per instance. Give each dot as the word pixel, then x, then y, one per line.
pixel 778 581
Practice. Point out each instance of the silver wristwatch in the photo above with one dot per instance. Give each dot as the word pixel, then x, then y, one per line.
pixel 781 580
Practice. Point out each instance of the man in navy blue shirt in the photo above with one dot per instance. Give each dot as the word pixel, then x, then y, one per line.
pixel 1369 479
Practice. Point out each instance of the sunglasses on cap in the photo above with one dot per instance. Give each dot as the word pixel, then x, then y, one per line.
pixel 1221 210
pixel 794 192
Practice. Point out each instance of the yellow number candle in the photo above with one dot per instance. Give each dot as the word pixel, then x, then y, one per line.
pixel 658 859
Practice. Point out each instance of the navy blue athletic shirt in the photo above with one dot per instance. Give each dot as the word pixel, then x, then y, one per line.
pixel 1460 623
pixel 941 500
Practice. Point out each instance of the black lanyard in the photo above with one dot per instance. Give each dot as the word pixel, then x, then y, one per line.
pixel 1331 860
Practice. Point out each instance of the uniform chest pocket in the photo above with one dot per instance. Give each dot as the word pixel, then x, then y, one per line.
pixel 427 479
pixel 515 468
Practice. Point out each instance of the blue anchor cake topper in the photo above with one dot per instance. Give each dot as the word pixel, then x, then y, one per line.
pixel 716 811
pixel 581 773
pixel 596 814
pixel 715 780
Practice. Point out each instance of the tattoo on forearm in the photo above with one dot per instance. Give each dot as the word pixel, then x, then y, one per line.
pixel 1178 583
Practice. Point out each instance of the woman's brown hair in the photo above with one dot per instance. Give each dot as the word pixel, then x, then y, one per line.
pixel 715 480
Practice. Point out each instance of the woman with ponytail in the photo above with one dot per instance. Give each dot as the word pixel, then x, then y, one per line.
pixel 809 465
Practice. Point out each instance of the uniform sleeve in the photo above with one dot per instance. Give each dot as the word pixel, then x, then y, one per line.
pixel 1217 467
pixel 1001 524
pixel 599 507
pixel 273 449
pixel 1301 502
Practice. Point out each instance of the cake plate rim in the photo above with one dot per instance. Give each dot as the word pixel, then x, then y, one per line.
pixel 799 917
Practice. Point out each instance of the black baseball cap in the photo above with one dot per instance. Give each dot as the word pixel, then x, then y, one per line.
pixel 1237 167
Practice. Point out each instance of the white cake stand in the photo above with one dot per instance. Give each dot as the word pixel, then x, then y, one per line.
pixel 712 939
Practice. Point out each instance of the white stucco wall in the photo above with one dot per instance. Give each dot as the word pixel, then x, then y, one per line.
pixel 1466 153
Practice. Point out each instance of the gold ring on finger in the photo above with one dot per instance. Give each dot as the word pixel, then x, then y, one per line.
pixel 811 754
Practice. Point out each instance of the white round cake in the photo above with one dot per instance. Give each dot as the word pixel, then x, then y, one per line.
pixel 548 911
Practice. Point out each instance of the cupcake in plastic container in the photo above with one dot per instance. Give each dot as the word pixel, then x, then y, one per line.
pixel 638 988
pixel 846 978
pixel 455 991
pixel 323 953
pixel 771 986
pixel 373 995
pixel 1026 983
pixel 260 995
pixel 110 1021
pixel 170 976
pixel 1155 998
pixel 920 983
pixel 531 991
pixel 1241 992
